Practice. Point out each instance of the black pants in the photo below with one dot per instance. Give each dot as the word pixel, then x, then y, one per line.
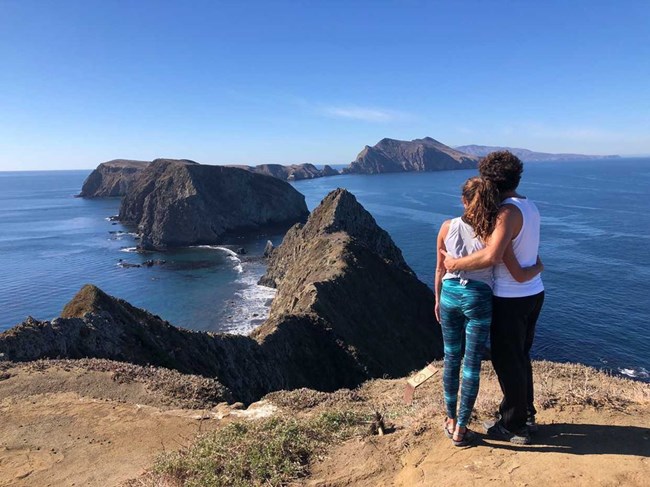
pixel 512 334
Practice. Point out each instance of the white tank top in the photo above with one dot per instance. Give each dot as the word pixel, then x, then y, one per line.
pixel 526 247
pixel 461 241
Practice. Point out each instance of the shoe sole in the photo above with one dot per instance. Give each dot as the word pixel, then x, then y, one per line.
pixel 514 439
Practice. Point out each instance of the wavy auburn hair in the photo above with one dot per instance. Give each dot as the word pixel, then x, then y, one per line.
pixel 481 198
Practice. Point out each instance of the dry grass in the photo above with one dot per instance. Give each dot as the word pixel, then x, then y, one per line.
pixel 268 452
pixel 279 450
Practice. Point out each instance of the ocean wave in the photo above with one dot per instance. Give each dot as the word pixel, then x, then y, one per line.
pixel 129 249
pixel 251 304
pixel 640 373
pixel 231 254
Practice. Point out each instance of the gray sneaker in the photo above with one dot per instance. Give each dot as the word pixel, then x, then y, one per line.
pixel 495 429
pixel 532 426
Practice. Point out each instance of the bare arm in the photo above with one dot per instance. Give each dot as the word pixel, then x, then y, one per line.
pixel 440 264
pixel 492 254
pixel 521 274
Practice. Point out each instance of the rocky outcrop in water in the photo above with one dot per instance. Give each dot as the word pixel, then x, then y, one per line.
pixel 427 154
pixel 347 308
pixel 294 172
pixel 178 203
pixel 112 178
pixel 527 155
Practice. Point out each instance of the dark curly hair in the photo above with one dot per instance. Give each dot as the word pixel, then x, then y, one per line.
pixel 503 168
pixel 481 206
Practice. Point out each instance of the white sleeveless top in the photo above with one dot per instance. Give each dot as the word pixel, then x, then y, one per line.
pixel 526 247
pixel 461 241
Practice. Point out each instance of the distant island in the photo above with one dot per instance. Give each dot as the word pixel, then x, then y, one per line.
pixel 427 154
pixel 114 178
pixel 527 155
pixel 293 172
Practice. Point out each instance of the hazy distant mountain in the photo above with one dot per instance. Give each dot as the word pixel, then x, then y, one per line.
pixel 390 155
pixel 527 155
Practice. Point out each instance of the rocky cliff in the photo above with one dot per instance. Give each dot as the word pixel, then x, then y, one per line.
pixel 527 155
pixel 390 155
pixel 112 178
pixel 294 172
pixel 347 308
pixel 341 272
pixel 179 203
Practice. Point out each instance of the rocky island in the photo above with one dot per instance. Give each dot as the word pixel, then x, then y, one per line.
pixel 112 178
pixel 293 172
pixel 348 308
pixel 390 155
pixel 179 202
pixel 527 155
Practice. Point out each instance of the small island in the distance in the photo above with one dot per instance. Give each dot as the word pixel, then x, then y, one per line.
pixel 528 155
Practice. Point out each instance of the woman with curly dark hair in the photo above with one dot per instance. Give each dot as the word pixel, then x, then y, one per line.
pixel 464 301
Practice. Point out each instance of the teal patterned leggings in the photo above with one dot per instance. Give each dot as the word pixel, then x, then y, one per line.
pixel 464 308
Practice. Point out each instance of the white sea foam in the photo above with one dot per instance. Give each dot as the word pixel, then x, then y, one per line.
pixel 129 249
pixel 232 255
pixel 251 304
pixel 640 373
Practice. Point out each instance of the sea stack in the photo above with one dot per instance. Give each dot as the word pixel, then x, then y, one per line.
pixel 179 203
pixel 390 155
pixel 112 178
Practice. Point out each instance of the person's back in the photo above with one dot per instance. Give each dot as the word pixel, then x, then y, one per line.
pixel 461 240
pixel 526 249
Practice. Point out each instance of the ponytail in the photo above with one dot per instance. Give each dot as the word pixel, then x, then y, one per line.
pixel 482 206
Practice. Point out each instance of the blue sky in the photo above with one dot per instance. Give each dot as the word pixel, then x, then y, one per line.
pixel 307 81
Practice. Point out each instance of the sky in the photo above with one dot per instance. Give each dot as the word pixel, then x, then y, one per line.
pixel 287 82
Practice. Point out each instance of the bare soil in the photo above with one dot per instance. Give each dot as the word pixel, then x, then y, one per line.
pixel 89 423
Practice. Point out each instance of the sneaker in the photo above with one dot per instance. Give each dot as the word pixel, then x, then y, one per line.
pixel 495 429
pixel 532 426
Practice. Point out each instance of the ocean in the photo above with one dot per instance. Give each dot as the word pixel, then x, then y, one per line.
pixel 595 248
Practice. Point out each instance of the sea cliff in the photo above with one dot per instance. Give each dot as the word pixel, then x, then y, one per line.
pixel 112 178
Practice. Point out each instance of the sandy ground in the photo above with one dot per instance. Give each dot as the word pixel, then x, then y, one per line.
pixel 67 426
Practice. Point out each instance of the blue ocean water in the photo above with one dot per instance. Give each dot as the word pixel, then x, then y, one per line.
pixel 595 247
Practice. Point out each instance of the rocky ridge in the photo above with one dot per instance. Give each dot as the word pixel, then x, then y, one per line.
pixel 112 178
pixel 180 202
pixel 348 308
pixel 427 154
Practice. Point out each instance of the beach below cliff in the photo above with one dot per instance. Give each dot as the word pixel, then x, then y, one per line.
pixel 103 423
